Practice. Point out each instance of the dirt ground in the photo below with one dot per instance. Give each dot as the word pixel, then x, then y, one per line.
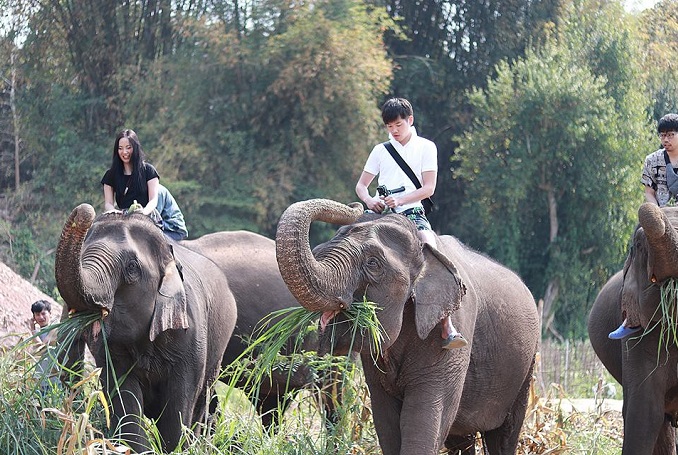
pixel 585 405
pixel 16 297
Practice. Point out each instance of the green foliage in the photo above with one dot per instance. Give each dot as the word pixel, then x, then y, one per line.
pixel 442 49
pixel 553 157
pixel 664 318
pixel 659 34
pixel 270 349
pixel 257 124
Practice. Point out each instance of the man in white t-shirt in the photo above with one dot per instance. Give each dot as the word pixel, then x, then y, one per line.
pixel 422 157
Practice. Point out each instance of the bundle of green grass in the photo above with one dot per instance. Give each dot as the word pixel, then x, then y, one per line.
pixel 266 351
pixel 668 317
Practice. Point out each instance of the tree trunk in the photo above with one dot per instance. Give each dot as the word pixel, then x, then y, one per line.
pixel 15 121
pixel 553 286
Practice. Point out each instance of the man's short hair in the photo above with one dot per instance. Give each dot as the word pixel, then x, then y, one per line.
pixel 669 122
pixel 40 305
pixel 396 108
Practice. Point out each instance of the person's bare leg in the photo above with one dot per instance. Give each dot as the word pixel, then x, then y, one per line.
pixel 452 338
pixel 427 236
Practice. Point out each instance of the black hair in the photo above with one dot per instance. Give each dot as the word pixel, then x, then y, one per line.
pixel 40 305
pixel 396 108
pixel 137 158
pixel 669 122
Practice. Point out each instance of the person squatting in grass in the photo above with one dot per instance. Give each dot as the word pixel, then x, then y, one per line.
pixel 422 157
pixel 44 371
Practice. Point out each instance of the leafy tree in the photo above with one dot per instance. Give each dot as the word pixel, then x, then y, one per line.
pixel 258 122
pixel 445 48
pixel 551 155
pixel 659 32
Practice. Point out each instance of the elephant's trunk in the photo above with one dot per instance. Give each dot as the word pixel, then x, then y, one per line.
pixel 663 242
pixel 316 285
pixel 67 268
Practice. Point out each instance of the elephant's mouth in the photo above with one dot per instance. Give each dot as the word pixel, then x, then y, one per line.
pixel 95 327
pixel 104 312
pixel 326 318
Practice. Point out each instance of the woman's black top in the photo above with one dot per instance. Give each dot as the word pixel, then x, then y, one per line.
pixel 127 188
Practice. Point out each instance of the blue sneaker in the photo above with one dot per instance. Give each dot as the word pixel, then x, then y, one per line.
pixel 623 331
pixel 455 341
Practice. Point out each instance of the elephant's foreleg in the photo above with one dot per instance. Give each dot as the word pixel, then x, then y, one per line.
pixel 421 423
pixel 386 415
pixel 179 400
pixel 127 403
pixel 643 417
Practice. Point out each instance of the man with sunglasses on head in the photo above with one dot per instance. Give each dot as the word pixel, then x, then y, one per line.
pixel 660 178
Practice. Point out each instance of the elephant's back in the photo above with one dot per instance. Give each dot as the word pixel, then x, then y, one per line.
pixel 505 338
pixel 500 297
pixel 248 261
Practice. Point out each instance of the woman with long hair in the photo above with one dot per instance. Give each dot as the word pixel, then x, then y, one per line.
pixel 130 178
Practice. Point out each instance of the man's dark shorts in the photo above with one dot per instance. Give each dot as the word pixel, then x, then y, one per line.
pixel 417 216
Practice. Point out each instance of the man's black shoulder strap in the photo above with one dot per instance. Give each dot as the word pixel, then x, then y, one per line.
pixel 401 162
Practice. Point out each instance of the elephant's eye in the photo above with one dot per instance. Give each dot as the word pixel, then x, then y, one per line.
pixel 372 263
pixel 374 269
pixel 132 272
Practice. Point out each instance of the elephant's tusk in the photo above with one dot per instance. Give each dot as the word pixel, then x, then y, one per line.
pixel 653 279
pixel 104 313
pixel 71 311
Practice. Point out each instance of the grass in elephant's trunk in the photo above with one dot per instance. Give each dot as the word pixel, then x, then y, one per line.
pixel 68 332
pixel 667 316
pixel 264 355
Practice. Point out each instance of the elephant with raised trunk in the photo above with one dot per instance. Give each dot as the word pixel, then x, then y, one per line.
pixel 168 314
pixel 644 364
pixel 423 397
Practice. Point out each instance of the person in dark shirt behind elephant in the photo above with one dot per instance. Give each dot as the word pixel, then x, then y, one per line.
pixel 661 187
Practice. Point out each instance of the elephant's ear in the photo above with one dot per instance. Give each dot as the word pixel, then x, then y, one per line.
pixel 170 303
pixel 437 291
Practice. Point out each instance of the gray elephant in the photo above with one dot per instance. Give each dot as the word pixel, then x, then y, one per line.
pixel 646 371
pixel 168 316
pixel 423 397
pixel 248 261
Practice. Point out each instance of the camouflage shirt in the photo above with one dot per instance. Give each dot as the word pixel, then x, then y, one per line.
pixel 654 176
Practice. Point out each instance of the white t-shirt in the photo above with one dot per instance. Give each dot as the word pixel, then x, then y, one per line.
pixel 421 155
